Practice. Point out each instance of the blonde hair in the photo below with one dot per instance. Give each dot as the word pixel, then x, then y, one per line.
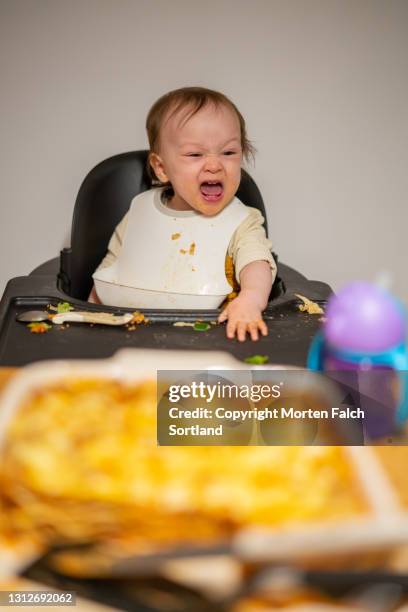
pixel 192 99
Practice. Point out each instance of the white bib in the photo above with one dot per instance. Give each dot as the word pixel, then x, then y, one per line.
pixel 168 254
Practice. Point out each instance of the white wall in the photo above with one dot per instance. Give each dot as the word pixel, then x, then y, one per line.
pixel 323 85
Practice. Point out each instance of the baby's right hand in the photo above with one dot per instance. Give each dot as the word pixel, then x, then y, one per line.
pixel 244 316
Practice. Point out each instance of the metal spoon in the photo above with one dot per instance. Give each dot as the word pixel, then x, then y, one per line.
pixel 102 318
pixel 32 316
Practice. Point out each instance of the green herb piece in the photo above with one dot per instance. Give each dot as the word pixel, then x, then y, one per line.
pixel 257 359
pixel 198 326
pixel 64 307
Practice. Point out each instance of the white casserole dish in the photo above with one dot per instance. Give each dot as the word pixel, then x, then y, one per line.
pixel 384 528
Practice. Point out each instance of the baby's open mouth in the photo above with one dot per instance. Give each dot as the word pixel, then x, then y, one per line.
pixel 212 191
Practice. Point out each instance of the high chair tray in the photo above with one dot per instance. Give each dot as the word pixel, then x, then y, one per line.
pixel 290 333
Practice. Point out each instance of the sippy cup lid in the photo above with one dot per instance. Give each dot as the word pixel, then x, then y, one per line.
pixel 364 317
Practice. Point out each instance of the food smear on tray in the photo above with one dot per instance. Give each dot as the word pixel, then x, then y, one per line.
pixel 138 319
pixel 309 306
pixel 257 359
pixel 80 462
pixel 61 307
pixel 39 327
pixel 197 325
pixel 201 326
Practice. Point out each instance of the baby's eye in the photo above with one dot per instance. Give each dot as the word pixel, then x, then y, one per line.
pixel 230 152
pixel 193 154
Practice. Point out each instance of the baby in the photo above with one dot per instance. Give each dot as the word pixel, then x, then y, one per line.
pixel 197 143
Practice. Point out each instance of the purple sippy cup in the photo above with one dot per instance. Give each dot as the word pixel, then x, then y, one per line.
pixel 365 331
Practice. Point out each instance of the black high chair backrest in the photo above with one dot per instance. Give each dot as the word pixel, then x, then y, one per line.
pixel 103 199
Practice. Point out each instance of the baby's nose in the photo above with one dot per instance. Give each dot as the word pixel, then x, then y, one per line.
pixel 212 163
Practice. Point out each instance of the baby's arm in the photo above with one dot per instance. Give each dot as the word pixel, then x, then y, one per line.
pixel 255 271
pixel 244 314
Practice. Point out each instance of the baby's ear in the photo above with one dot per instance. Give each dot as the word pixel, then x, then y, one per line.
pixel 156 163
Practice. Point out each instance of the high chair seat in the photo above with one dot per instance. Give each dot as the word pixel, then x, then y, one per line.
pixel 103 199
